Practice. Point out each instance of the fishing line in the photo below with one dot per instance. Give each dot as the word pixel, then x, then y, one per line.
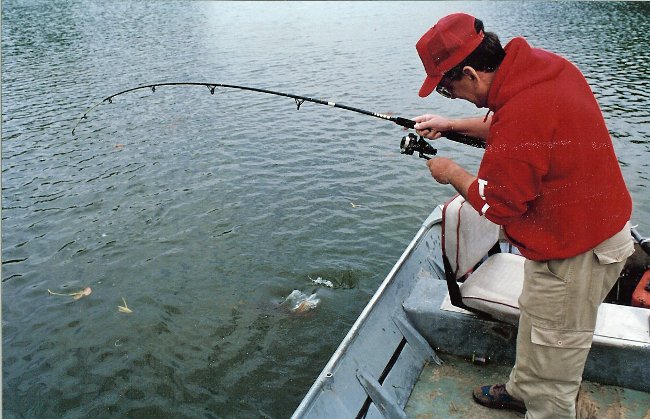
pixel 299 100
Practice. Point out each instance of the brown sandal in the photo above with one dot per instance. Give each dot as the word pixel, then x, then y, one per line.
pixel 497 397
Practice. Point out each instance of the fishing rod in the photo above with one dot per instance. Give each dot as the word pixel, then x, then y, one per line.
pixel 408 146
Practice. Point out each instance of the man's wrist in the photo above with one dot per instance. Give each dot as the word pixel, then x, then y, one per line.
pixel 460 180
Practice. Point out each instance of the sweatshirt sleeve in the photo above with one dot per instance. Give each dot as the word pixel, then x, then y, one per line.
pixel 504 189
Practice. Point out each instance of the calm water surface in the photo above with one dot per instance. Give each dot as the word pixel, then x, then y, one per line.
pixel 205 212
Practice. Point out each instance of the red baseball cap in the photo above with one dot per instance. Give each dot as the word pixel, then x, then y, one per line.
pixel 444 46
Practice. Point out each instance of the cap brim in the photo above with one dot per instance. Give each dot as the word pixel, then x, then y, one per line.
pixel 429 84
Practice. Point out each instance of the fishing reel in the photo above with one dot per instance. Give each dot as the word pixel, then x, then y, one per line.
pixel 411 143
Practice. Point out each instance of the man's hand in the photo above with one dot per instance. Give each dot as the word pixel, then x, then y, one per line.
pixel 446 171
pixel 430 126
pixel 442 169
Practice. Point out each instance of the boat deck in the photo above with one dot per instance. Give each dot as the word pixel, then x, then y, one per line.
pixel 446 392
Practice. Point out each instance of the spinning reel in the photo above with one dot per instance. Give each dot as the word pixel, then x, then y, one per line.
pixel 411 143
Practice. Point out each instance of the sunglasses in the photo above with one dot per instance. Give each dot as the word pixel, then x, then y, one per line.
pixel 444 91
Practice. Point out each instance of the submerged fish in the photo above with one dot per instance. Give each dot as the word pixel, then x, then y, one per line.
pixel 301 302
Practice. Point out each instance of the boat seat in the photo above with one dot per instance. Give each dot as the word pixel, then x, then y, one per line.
pixel 494 288
pixel 467 239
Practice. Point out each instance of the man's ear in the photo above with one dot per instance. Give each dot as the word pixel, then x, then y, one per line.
pixel 470 72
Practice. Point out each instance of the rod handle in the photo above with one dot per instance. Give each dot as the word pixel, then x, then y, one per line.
pixel 464 139
pixel 453 136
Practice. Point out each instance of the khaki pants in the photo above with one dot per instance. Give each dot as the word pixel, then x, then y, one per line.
pixel 559 304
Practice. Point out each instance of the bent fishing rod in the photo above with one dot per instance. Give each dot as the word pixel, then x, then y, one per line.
pixel 409 143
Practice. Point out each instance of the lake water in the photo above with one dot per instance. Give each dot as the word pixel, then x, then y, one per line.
pixel 204 213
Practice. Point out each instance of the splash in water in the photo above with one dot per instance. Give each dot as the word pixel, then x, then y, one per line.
pixel 321 281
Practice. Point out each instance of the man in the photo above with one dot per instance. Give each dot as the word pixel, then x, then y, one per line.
pixel 550 177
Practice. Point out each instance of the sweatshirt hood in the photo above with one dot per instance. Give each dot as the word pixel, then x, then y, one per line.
pixel 523 67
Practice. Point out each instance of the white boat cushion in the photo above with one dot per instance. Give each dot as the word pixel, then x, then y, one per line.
pixel 467 236
pixel 494 287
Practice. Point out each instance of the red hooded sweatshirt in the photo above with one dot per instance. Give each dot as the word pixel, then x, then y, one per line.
pixel 549 175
